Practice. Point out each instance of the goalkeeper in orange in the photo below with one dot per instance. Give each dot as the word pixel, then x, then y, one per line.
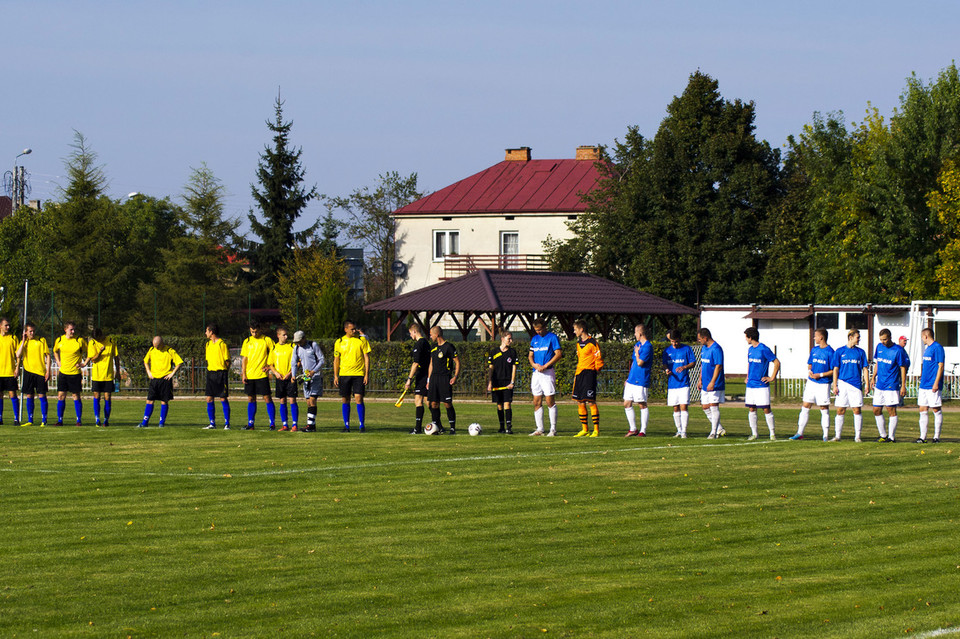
pixel 589 362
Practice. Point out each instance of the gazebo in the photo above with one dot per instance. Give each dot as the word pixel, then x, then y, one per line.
pixel 497 298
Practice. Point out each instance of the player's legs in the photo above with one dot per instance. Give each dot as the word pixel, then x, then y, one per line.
pixel 451 416
pixel 582 413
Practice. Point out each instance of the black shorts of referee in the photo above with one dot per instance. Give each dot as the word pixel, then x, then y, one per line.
pixel 440 390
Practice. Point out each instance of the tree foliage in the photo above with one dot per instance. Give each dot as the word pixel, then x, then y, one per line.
pixel 301 287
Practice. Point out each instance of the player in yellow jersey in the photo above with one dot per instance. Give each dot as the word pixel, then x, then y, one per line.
pixel 35 358
pixel 69 351
pixel 281 362
pixel 102 353
pixel 9 369
pixel 217 355
pixel 351 371
pixel 589 362
pixel 254 366
pixel 162 363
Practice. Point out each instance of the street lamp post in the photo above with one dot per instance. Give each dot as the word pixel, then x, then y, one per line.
pixel 19 181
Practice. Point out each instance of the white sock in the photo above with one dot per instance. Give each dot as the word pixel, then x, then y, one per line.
pixel 937 423
pixel 769 418
pixel 802 420
pixel 538 418
pixel 924 419
pixel 857 425
pixel 715 417
pixel 881 427
pixel 707 413
pixel 752 419
pixel 825 422
pixel 552 412
pixel 631 417
pixel 684 418
pixel 676 420
pixel 893 426
pixel 644 419
pixel 838 425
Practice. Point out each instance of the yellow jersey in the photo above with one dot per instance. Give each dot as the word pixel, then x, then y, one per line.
pixel 102 355
pixel 257 350
pixel 218 355
pixel 8 355
pixel 71 353
pixel 351 350
pixel 35 356
pixel 282 358
pixel 161 361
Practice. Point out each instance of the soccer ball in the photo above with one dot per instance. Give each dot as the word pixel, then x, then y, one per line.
pixel 474 429
pixel 431 429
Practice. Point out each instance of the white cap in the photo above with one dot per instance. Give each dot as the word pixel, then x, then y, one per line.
pixel 298 337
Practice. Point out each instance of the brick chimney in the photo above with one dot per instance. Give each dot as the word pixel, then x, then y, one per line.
pixel 588 153
pixel 518 155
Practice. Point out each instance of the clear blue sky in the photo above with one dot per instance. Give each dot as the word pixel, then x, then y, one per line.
pixel 436 88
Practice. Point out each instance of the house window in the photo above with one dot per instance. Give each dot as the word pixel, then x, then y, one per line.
pixel 828 320
pixel 509 249
pixel 857 321
pixel 946 333
pixel 445 243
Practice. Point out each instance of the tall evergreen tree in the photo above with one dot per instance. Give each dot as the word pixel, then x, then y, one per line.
pixel 281 199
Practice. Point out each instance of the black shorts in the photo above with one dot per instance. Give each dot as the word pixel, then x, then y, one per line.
pixel 217 383
pixel 34 384
pixel 286 388
pixel 102 387
pixel 440 390
pixel 8 384
pixel 504 396
pixel 419 386
pixel 257 387
pixel 70 383
pixel 352 385
pixel 585 386
pixel 160 390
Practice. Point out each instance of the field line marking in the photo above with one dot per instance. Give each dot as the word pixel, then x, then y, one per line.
pixel 385 464
pixel 939 632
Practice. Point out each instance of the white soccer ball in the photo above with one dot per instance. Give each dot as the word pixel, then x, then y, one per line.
pixel 431 429
pixel 474 429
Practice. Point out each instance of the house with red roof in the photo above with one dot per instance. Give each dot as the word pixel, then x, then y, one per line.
pixel 495 219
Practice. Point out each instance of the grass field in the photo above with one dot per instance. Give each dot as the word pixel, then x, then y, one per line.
pixel 187 532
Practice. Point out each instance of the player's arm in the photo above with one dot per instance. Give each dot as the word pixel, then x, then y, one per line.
pixel 836 377
pixel 557 354
pixel 336 367
pixel 243 369
pixel 533 364
pixel 716 375
pixel 776 369
pixel 176 367
pixel 456 370
pixel 513 374
pixel 146 365
pixel 321 360
pixel 429 372
pixel 903 381
pixel 23 345
pixel 366 367
pixel 866 376
pixel 489 374
pixel 939 378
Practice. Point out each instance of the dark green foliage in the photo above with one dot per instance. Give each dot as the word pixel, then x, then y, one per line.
pixel 331 311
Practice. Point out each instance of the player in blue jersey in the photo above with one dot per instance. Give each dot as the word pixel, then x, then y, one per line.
pixel 759 359
pixel 636 388
pixel 544 354
pixel 678 359
pixel 817 389
pixel 850 382
pixel 931 386
pixel 889 383
pixel 711 383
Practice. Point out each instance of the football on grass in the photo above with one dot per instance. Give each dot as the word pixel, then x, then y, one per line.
pixel 431 429
pixel 474 429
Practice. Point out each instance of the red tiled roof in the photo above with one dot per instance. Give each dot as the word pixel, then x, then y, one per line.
pixel 514 187
pixel 532 292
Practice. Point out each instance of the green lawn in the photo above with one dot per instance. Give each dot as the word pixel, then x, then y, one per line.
pixel 187 532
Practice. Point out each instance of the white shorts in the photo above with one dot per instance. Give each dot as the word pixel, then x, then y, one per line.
pixel 814 393
pixel 929 398
pixel 886 397
pixel 712 397
pixel 678 396
pixel 848 395
pixel 757 397
pixel 636 394
pixel 543 383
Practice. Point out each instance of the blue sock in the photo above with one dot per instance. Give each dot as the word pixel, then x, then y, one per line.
pixel 163 413
pixel 345 409
pixel 210 413
pixel 226 411
pixel 43 409
pixel 294 412
pixel 106 409
pixel 61 404
pixel 96 410
pixel 361 413
pixel 78 409
pixel 283 414
pixel 251 412
pixel 147 412
pixel 272 414
pixel 1 408
pixel 29 409
pixel 15 403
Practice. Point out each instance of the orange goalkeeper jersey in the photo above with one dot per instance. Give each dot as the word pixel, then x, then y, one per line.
pixel 588 356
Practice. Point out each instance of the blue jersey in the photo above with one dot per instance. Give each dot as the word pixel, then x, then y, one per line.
pixel 850 362
pixel 640 375
pixel 759 358
pixel 674 357
pixel 543 348
pixel 820 361
pixel 889 359
pixel 710 358
pixel 933 356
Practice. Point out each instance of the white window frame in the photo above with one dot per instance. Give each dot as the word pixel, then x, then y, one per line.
pixel 509 260
pixel 446 234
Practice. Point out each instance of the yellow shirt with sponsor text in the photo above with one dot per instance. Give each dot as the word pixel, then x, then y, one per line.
pixel 35 355
pixel 282 358
pixel 72 350
pixel 350 350
pixel 102 356
pixel 8 355
pixel 218 355
pixel 161 361
pixel 257 351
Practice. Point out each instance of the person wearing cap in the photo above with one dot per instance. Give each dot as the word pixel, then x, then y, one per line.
pixel 308 356
pixel 217 355
pixel 902 342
